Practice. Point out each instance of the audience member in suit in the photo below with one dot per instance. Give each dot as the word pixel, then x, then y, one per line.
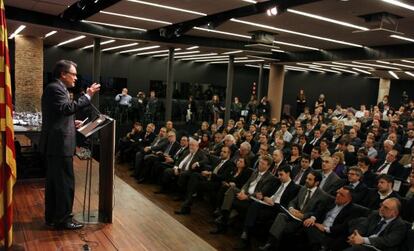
pixel 261 183
pixel 159 144
pixel 305 147
pixel 375 198
pixel 208 180
pixel 311 201
pixel 216 145
pixel 278 161
pixel 243 152
pixel 170 161
pixel 125 144
pixel 350 157
pixel 369 178
pixel 58 143
pixel 390 166
pixel 300 172
pixel 238 177
pixel 194 161
pixel 152 160
pixel 316 160
pixel 263 151
pixel 359 189
pixel 317 137
pixel 253 143
pixel 330 181
pixel 147 139
pixel 383 229
pixel 260 213
pixel 331 230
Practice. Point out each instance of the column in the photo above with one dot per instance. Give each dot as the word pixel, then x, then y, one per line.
pixel 28 73
pixel 96 67
pixel 260 83
pixel 275 89
pixel 229 89
pixel 384 88
pixel 170 85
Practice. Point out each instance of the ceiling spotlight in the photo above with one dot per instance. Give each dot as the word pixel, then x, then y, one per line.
pixel 272 11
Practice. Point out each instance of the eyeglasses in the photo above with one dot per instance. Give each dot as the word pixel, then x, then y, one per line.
pixel 72 73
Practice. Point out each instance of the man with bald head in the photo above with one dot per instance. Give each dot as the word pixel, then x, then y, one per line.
pixel 383 229
pixel 330 180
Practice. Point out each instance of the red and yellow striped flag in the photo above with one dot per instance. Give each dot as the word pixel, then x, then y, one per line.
pixel 7 152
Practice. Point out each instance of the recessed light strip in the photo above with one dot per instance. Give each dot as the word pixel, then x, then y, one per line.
pixel 330 20
pixel 402 38
pixel 119 47
pixel 218 59
pixel 154 52
pixel 102 43
pixel 231 52
pixel 114 25
pixel 168 7
pixel 275 50
pixel 409 73
pixel 295 32
pixel 343 70
pixel 192 48
pixel 352 65
pixel 329 65
pixel 196 55
pixel 393 74
pixel 407 61
pixel 205 57
pixel 396 64
pixel 179 53
pixel 71 40
pixel 296 45
pixel 222 32
pixel 140 49
pixel 400 4
pixel 362 71
pixel 134 17
pixel 377 65
pixel 50 34
pixel 17 31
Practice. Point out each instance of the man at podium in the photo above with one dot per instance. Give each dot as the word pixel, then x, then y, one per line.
pixel 58 143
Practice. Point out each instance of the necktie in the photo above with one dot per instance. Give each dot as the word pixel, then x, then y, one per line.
pixel 215 171
pixel 187 162
pixel 324 177
pixel 382 167
pixel 278 193
pixel 298 176
pixel 378 228
pixel 274 170
pixel 167 151
pixel 306 200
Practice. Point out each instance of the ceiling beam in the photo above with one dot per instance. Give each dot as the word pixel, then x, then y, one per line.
pixel 214 20
pixel 84 9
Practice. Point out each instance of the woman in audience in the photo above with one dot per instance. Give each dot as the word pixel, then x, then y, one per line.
pixel 337 135
pixel 321 102
pixel 340 169
pixel 236 108
pixel 238 177
pixel 295 154
pixel 205 141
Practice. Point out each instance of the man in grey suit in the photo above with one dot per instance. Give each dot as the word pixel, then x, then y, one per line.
pixel 58 143
pixel 308 205
pixel 260 184
pixel 330 180
pixel 384 229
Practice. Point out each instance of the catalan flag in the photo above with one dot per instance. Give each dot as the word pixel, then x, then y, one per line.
pixel 7 151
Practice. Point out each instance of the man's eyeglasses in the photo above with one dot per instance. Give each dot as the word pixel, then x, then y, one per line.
pixel 71 73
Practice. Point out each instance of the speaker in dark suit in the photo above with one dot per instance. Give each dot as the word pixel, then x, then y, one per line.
pixel 58 143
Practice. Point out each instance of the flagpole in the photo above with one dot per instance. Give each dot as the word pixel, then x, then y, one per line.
pixel 5 206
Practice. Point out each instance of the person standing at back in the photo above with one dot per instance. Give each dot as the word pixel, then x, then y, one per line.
pixel 58 143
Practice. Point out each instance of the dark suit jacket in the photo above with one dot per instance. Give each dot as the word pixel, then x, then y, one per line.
pixel 340 226
pixel 316 205
pixel 224 172
pixel 58 121
pixel 266 184
pixel 295 171
pixel 160 145
pixel 373 200
pixel 389 239
pixel 317 164
pixel 396 169
pixel 359 193
pixel 242 178
pixel 289 194
pixel 174 148
pixel 332 183
pixel 199 157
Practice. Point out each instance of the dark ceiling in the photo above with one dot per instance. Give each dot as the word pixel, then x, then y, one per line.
pixel 301 40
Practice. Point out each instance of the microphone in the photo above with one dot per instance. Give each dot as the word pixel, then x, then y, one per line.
pixel 95 109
